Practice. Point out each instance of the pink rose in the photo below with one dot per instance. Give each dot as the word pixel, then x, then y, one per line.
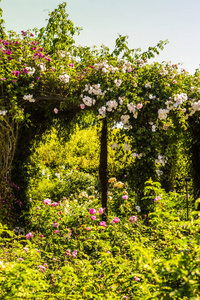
pixel 93 217
pixel 47 201
pixel 125 197
pixel 56 231
pixel 100 210
pixel 133 219
pixel 115 220
pixel 54 204
pixel 139 105
pixel 157 198
pixel 82 106
pixel 29 235
pixel 136 278
pixel 92 211
pixel 55 110
pixel 88 228
pixel 103 223
pixel 55 224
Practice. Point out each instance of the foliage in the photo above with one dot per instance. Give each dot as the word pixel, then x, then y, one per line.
pixel 68 253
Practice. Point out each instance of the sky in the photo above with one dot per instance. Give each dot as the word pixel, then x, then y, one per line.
pixel 146 22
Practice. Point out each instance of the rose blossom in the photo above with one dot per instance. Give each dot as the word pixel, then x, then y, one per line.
pixel 115 220
pixel 103 223
pixel 100 210
pixel 29 235
pixel 133 219
pixel 92 211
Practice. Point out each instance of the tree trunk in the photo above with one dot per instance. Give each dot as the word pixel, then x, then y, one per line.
pixel 103 168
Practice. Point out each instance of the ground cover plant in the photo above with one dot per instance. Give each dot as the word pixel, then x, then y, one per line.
pixel 94 150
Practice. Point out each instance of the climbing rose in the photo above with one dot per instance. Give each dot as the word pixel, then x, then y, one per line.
pixel 102 224
pixel 133 219
pixel 47 201
pixel 29 235
pixel 92 211
pixel 115 220
pixel 157 198
pixel 100 210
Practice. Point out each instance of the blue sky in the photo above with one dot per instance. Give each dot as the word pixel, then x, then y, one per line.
pixel 145 22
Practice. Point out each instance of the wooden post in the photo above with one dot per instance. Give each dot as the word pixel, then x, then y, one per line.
pixel 103 168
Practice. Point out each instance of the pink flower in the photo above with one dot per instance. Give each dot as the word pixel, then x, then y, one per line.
pixel 103 223
pixel 139 105
pixel 41 235
pixel 29 235
pixel 100 210
pixel 47 201
pixel 55 224
pixel 21 259
pixel 42 268
pixel 55 110
pixel 68 252
pixel 74 253
pixel 157 198
pixel 54 204
pixel 125 197
pixel 93 217
pixel 56 231
pixel 88 228
pixel 82 106
pixel 92 211
pixel 38 208
pixel 133 219
pixel 136 278
pixel 115 220
pixel 26 249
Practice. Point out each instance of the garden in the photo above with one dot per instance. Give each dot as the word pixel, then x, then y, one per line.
pixel 99 169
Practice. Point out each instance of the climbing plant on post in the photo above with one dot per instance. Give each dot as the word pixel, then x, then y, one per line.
pixel 103 165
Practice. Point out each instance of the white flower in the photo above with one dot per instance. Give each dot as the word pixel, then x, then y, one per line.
pixel 125 119
pixel 3 112
pixel 42 67
pixel 111 105
pixel 29 98
pixel 64 78
pixel 114 145
pixel 138 208
pixel 131 107
pixel 153 128
pixel 147 85
pixel 134 154
pixel 121 100
pixel 102 111
pixel 30 70
pixel 162 113
pixel 88 101
pixel 117 82
pixel 127 147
